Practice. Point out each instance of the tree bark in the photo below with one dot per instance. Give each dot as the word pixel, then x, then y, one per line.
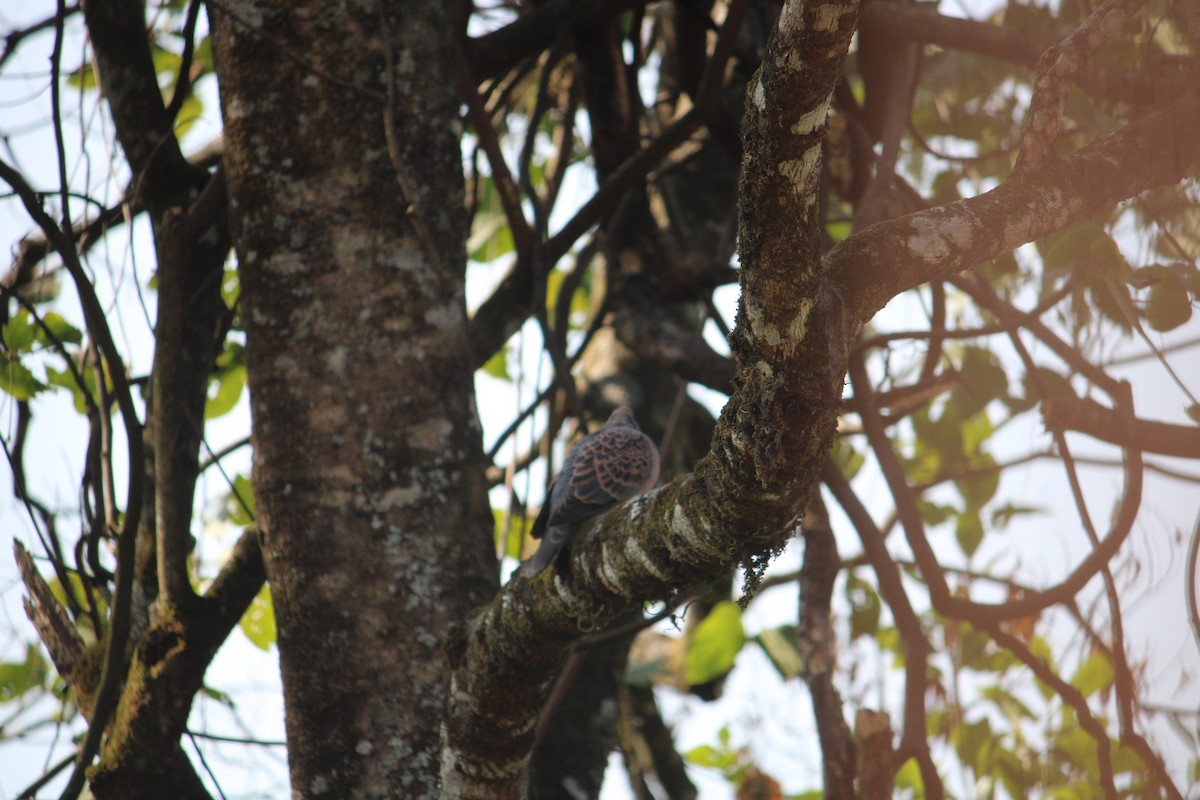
pixel 346 194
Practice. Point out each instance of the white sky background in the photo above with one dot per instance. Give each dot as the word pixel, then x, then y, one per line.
pixel 782 742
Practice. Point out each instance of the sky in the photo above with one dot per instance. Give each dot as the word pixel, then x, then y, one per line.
pixel 784 744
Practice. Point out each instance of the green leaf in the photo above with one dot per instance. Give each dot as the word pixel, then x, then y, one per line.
pixel 1126 759
pixel 1008 703
pixel 18 381
pixel 909 777
pixel 1073 247
pixel 239 505
pixel 1052 383
pixel 66 379
pixel 865 607
pixel 513 540
pixel 231 288
pixel 165 61
pixel 216 694
pixel 1093 675
pixel 971 645
pixel 191 110
pixel 1113 300
pixel 975 430
pixel 83 78
pixel 888 638
pixel 848 460
pixel 202 55
pixel 1169 304
pixel 19 677
pixel 75 584
pixel 978 489
pixel 258 623
pixel 64 331
pixel 933 513
pixel 18 332
pixel 579 300
pixel 971 741
pixel 780 646
pixel 983 380
pixel 715 644
pixel 839 230
pixel 497 365
pixel 938 442
pixel 708 756
pixel 491 237
pixel 968 531
pixel 229 384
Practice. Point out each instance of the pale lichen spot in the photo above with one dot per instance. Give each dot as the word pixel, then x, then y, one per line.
pixel 799 324
pixel 960 230
pixel 927 241
pixel 635 553
pixel 287 263
pixel 445 317
pixel 803 173
pixel 827 16
pixel 329 415
pixel 430 435
pixel 770 335
pixel 399 497
pixel 760 95
pixel 812 120
pixel 791 17
pixel 683 529
pixel 607 572
pixel 335 362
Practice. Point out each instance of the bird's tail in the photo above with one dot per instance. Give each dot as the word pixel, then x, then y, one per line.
pixel 552 543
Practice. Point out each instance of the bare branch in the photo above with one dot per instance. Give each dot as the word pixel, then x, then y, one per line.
pixel 872 266
pixel 1056 72
pixel 1087 416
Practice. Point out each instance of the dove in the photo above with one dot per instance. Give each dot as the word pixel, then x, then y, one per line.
pixel 605 468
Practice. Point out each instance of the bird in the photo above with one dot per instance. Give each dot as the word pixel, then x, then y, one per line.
pixel 603 469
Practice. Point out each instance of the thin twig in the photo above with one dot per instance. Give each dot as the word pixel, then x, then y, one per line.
pixel 118 632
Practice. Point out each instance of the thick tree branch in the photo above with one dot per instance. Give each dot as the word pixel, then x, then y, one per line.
pixel 659 341
pixel 499 51
pixel 1056 73
pixel 1087 416
pixel 915 22
pixel 871 267
pixel 743 500
pixel 143 759
pixel 129 82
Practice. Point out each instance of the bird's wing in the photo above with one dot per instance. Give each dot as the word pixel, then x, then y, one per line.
pixel 608 467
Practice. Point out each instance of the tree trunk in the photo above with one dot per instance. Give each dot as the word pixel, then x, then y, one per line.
pixel 370 494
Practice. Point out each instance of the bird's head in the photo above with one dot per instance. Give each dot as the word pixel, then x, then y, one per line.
pixel 623 416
